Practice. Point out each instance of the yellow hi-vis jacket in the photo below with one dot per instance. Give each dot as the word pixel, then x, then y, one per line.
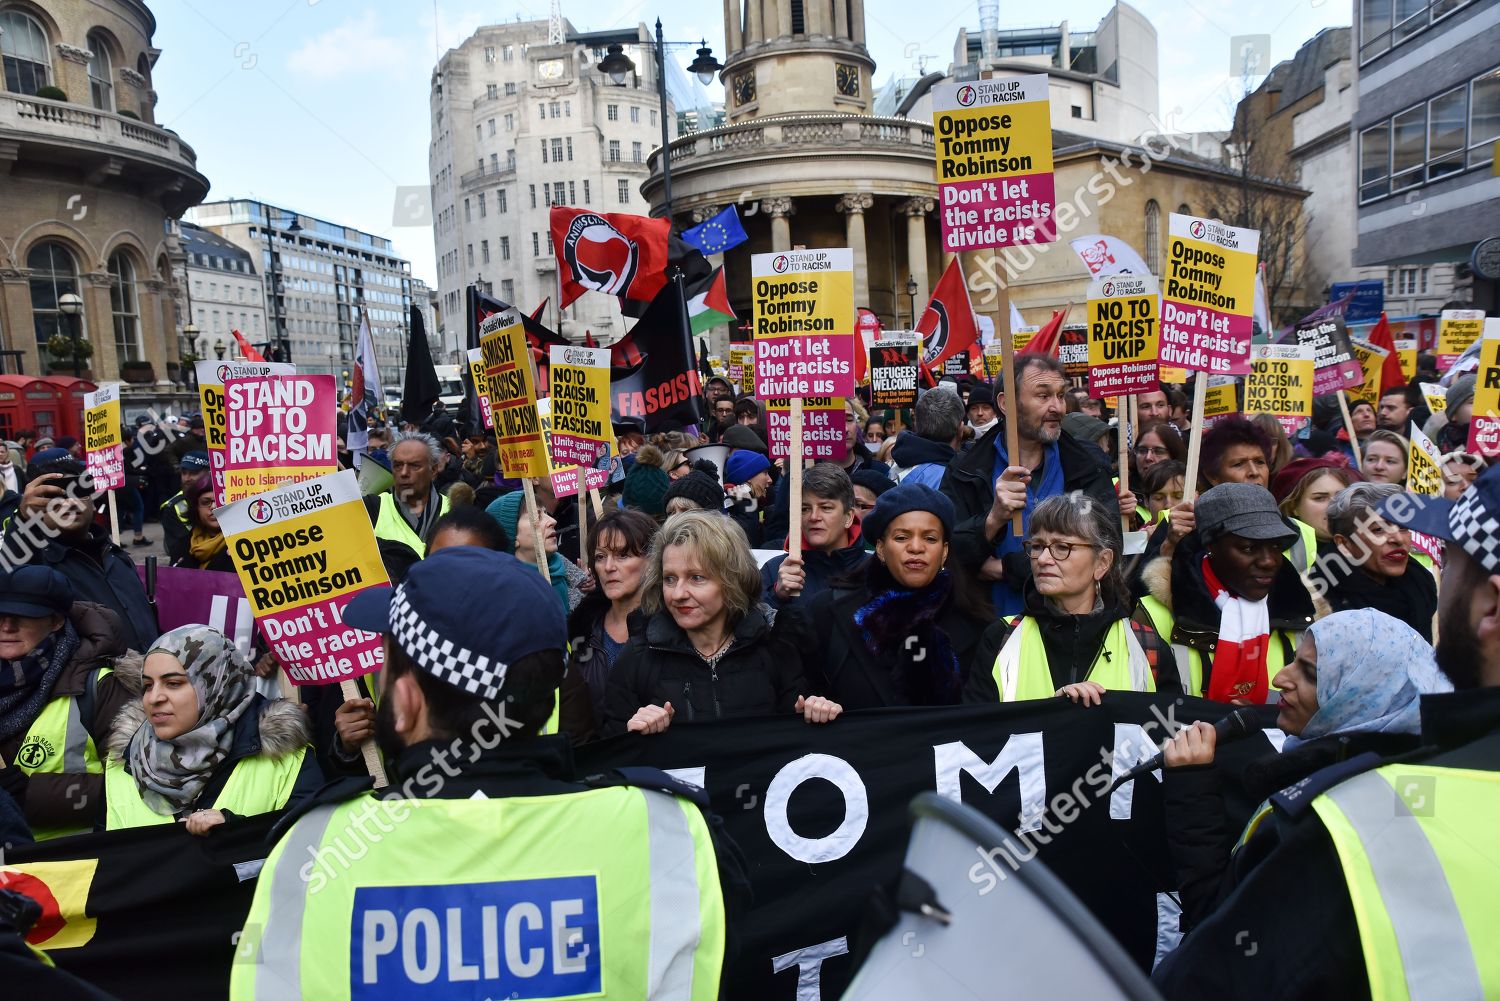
pixel 60 726
pixel 390 525
pixel 1021 670
pixel 258 784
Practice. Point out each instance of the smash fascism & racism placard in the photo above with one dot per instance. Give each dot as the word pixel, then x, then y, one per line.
pixel 520 448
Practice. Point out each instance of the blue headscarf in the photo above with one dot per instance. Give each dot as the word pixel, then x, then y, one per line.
pixel 1372 670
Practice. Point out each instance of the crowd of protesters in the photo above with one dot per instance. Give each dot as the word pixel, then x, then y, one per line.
pixel 931 567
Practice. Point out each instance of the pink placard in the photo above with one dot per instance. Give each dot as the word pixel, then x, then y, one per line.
pixel 1205 340
pixel 565 481
pixel 822 430
pixel 998 213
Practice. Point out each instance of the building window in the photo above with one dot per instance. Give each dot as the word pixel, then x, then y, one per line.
pixel 1375 162
pixel 585 192
pixel 653 116
pixel 614 151
pixel 570 147
pixel 1447 118
pixel 23 44
pixel 549 241
pixel 478 134
pixel 508 289
pixel 53 274
pixel 500 201
pixel 572 194
pixel 532 188
pixel 546 194
pixel 541 111
pixel 494 163
pixel 536 245
pixel 1184 210
pixel 557 150
pixel 554 109
pixel 635 114
pixel 544 150
pixel 622 187
pixel 510 89
pixel 491 91
pixel 484 251
pixel 1385 23
pixel 468 215
pixel 612 112
pixel 510 159
pixel 505 248
pixel 101 73
pixel 567 109
pixel 471 255
pixel 510 123
pixel 635 153
pixel 508 53
pixel 481 205
pixel 1484 118
pixel 1153 237
pixel 489 53
pixel 492 126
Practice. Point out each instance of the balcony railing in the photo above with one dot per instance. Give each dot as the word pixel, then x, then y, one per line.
pixel 72 122
pixel 474 176
pixel 799 133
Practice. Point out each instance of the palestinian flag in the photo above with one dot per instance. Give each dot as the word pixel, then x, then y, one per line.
pixel 708 303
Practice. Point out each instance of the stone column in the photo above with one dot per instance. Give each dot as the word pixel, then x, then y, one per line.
pixel 857 21
pixel 784 18
pixel 99 326
pixel 754 32
pixel 780 210
pixel 154 298
pixel 732 40
pixel 853 206
pixel 840 19
pixel 916 244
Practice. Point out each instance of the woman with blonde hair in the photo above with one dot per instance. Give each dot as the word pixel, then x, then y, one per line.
pixel 1386 455
pixel 709 648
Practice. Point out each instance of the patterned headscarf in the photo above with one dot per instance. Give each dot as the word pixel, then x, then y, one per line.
pixel 171 774
pixel 1372 670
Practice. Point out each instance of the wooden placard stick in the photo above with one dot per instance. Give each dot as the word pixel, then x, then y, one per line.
pixel 1195 443
pixel 583 522
pixel 794 470
pixel 1000 312
pixel 1124 413
pixel 114 519
pixel 1349 428
pixel 538 544
pixel 367 748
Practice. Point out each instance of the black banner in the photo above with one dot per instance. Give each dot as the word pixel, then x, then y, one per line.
pixel 664 385
pixel 818 811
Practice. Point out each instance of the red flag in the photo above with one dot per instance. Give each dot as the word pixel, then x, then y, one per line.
pixel 588 339
pixel 536 314
pixel 248 350
pixel 624 353
pixel 866 333
pixel 1047 340
pixel 624 255
pixel 947 324
pixel 1391 376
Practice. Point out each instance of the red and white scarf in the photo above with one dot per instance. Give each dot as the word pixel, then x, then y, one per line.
pixel 1239 670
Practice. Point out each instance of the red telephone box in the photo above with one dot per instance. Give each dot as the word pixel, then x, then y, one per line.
pixel 71 392
pixel 29 402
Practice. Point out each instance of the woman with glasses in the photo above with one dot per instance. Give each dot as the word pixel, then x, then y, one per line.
pixel 1158 443
pixel 1076 637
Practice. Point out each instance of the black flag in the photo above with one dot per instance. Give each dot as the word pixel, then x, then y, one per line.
pixel 664 385
pixel 420 390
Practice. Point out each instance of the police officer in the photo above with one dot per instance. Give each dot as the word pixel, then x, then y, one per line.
pixel 485 869
pixel 1384 882
pixel 176 531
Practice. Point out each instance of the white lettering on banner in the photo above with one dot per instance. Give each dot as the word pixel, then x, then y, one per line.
pixel 833 846
pixel 809 963
pixel 1021 754
pixel 1132 746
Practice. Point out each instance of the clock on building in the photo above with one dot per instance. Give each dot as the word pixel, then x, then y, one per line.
pixel 847 79
pixel 744 88
pixel 550 69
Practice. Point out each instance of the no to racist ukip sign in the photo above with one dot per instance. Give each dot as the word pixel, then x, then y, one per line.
pixel 279 429
pixel 579 380
pixel 994 163
pixel 1123 335
pixel 521 449
pixel 303 550
pixel 101 437
pixel 1281 384
pixel 802 315
pixel 1208 295
pixel 211 378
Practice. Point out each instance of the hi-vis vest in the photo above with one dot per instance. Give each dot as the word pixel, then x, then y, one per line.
pixel 258 784
pixel 1021 670
pixel 58 742
pixel 610 892
pixel 1281 646
pixel 1304 551
pixel 390 524
pixel 1416 845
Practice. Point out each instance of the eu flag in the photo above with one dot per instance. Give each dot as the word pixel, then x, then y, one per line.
pixel 718 234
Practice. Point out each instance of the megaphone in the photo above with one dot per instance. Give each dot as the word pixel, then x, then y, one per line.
pixel 717 454
pixel 374 475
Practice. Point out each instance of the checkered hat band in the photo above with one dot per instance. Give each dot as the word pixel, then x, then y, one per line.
pixel 1477 530
pixel 442 658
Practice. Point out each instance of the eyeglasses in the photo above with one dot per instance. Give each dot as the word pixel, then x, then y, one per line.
pixel 1150 450
pixel 1060 550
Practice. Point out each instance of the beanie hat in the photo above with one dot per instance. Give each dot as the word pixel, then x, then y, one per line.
pixel 982 394
pixel 646 484
pixel 876 483
pixel 741 467
pixel 1294 472
pixel 698 487
pixel 904 499
pixel 506 509
pixel 743 436
pixel 1461 392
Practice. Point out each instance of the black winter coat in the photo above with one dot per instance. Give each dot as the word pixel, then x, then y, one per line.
pixel 1411 597
pixel 760 673
pixel 970 484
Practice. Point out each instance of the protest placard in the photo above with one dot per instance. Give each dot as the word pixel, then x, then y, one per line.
pixel 211 377
pixel 475 358
pixel 1281 383
pixel 994 162
pixel 1020 337
pixel 742 367
pixel 1366 299
pixel 1208 294
pixel 1220 399
pixel 893 371
pixel 278 429
pixel 822 427
pixel 802 315
pixel 1172 374
pixel 1457 329
pixel 302 550
pixel 958 363
pixel 1406 351
pixel 1123 335
pixel 1435 395
pixel 102 437
pixel 1424 475
pixel 994 360
pixel 520 449
pixel 567 480
pixel 1484 424
pixel 579 380
pixel 1334 364
pixel 1372 362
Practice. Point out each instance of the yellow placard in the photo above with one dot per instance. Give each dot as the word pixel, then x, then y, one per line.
pixel 521 449
pixel 1281 381
pixel 1219 398
pixel 802 315
pixel 475 358
pixel 1372 362
pixel 1435 395
pixel 1424 474
pixel 1171 373
pixel 1457 329
pixel 1406 351
pixel 742 367
pixel 994 141
pixel 579 382
pixel 1123 335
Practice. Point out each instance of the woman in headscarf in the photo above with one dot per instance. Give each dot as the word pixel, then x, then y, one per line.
pixel 1354 687
pixel 207 547
pixel 202 745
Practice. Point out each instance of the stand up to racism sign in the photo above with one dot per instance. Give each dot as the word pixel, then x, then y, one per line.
pixel 1208 296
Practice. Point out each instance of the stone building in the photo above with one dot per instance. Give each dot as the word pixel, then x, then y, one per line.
pixel 91 185
pixel 222 292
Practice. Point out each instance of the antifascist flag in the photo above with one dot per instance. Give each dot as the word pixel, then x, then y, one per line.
pixel 1391 376
pixel 623 255
pixel 708 303
pixel 663 384
pixel 947 324
pixel 420 390
pixel 715 236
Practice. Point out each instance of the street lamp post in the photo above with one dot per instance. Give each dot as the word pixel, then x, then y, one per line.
pixel 219 348
pixel 278 338
pixel 911 295
pixel 71 305
pixel 190 334
pixel 617 65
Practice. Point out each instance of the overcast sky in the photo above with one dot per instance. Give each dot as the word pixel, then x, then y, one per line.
pixel 321 106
